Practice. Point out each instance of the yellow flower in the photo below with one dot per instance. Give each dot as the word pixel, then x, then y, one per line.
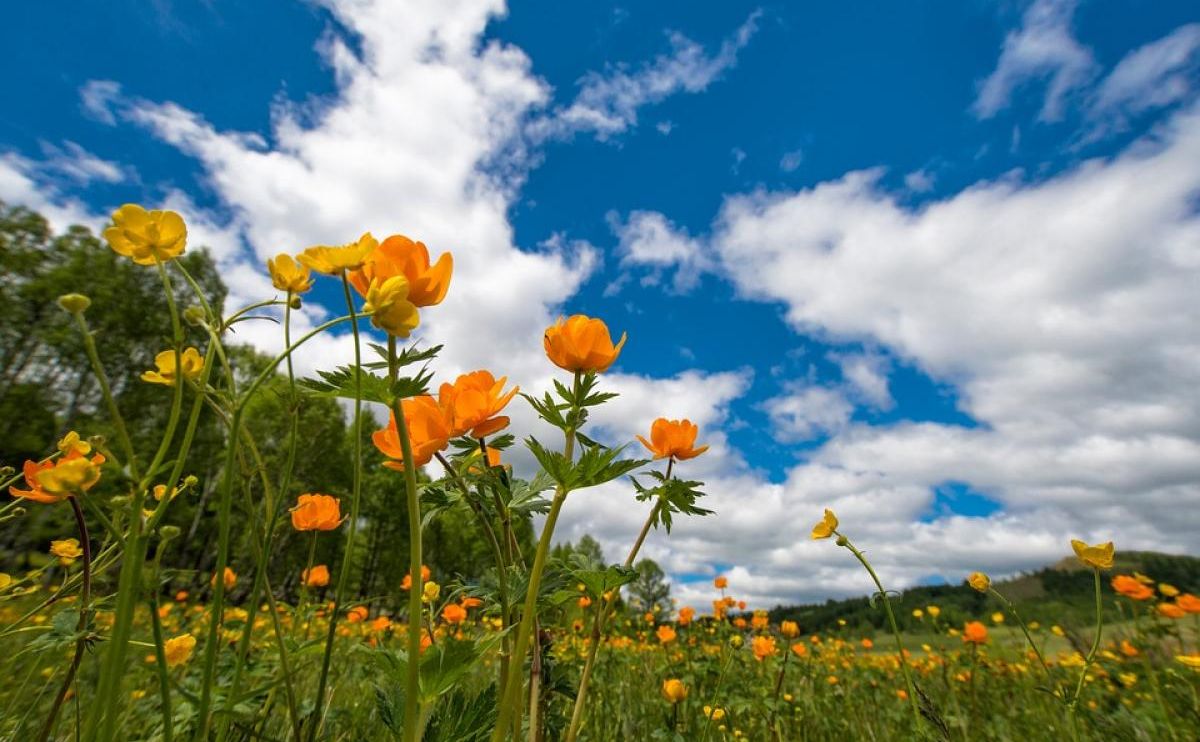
pixel 389 307
pixel 1057 630
pixel 190 362
pixel 72 475
pixel 146 237
pixel 5 580
pixel 72 442
pixel 178 650
pixel 918 613
pixel 288 275
pixel 979 581
pixel 716 714
pixel 826 527
pixel 67 550
pixel 1168 590
pixel 1191 660
pixel 1099 556
pixel 997 617
pixel 333 261
pixel 430 592
pixel 933 610
pixel 674 690
pixel 789 629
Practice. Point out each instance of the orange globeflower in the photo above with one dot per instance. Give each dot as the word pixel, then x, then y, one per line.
pixel 316 513
pixel 428 431
pixel 357 614
pixel 318 576
pixel 470 602
pixel 52 481
pixel 1170 610
pixel 1188 602
pixel 789 629
pixel 673 439
pixel 581 343
pixel 975 633
pixel 230 579
pixel 686 614
pixel 400 256
pixel 665 634
pixel 763 647
pixel 721 582
pixel 473 401
pixel 406 584
pixel 1131 588
pixel 454 613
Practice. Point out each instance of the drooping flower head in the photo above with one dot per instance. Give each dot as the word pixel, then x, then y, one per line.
pixel 673 438
pixel 473 403
pixel 399 256
pixel 826 527
pixel 289 275
pixel 428 431
pixel 333 260
pixel 190 363
pixel 581 344
pixel 146 237
pixel 316 513
pixel 390 308
pixel 1099 556
pixel 979 581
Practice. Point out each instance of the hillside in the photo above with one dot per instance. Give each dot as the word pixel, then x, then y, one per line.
pixel 1060 593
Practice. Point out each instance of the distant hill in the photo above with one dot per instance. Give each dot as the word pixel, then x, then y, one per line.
pixel 1060 593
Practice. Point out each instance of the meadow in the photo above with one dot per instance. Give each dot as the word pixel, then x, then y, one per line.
pixel 197 545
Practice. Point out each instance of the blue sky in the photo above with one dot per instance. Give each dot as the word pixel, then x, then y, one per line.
pixel 893 257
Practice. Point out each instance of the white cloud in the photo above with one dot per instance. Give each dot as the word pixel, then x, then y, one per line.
pixel 23 181
pixel 96 98
pixel 790 162
pixel 807 412
pixel 647 238
pixel 608 103
pixel 1157 74
pixel 1043 48
pixel 920 181
pixel 75 162
pixel 866 375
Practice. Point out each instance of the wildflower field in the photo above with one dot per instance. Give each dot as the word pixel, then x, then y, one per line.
pixel 220 549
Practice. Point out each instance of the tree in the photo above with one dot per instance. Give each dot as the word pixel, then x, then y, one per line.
pixel 649 591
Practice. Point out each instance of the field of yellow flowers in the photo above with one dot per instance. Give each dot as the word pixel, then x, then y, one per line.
pixel 99 641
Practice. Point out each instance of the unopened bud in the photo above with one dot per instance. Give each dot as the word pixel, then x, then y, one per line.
pixel 169 532
pixel 74 303
pixel 736 641
pixel 6 472
pixel 842 541
pixel 191 480
pixel 194 316
pixel 295 302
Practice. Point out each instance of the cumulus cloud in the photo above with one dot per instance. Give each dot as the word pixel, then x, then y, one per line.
pixel 648 239
pixel 1152 76
pixel 807 412
pixel 607 103
pixel 1043 48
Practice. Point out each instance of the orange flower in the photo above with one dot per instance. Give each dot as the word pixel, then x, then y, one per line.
pixel 52 481
pixel 406 584
pixel 581 343
pixel 1188 602
pixel 975 633
pixel 469 602
pixel 763 647
pixel 1131 588
pixel 1170 610
pixel 584 601
pixel 473 402
pixel 867 643
pixel 721 582
pixel 428 431
pixel 686 614
pixel 318 576
pixel 35 491
pixel 357 614
pixel 674 439
pixel 674 690
pixel 400 256
pixel 789 629
pixel 665 634
pixel 1128 649
pixel 454 613
pixel 230 579
pixel 316 513
pixel 799 649
pixel 760 620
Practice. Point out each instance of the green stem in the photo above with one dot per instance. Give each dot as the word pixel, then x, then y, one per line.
pixel 348 552
pixel 1028 637
pixel 716 695
pixel 160 655
pixel 1073 705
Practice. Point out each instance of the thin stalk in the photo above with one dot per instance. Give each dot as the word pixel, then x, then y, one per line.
pixel 1073 705
pixel 716 694
pixel 348 553
pixel 85 597
pixel 887 607
pixel 160 655
pixel 1028 637
pixel 778 688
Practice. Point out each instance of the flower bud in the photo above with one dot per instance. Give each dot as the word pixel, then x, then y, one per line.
pixel 191 480
pixel 194 316
pixel 842 541
pixel 736 641
pixel 6 472
pixel 96 441
pixel 295 301
pixel 169 532
pixel 74 303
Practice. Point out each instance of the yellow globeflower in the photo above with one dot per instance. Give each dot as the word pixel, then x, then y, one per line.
pixel 67 550
pixel 333 261
pixel 190 362
pixel 72 442
pixel 1099 556
pixel 146 237
pixel 288 275
pixel 933 610
pixel 430 591
pixel 997 617
pixel 389 307
pixel 5 580
pixel 826 527
pixel 1192 660
pixel 979 581
pixel 72 475
pixel 1169 591
pixel 178 650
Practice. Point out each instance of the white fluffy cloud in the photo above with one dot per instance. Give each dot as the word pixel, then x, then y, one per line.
pixel 650 240
pixel 1043 48
pixel 1157 74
